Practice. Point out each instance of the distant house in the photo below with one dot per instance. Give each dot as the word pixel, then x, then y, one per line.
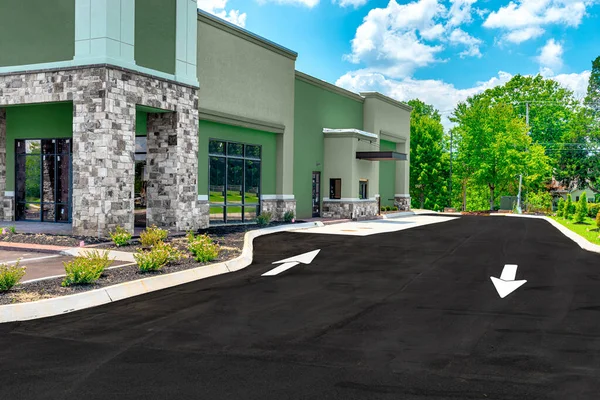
pixel 559 191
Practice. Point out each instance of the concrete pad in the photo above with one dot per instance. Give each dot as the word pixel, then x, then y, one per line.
pixel 366 228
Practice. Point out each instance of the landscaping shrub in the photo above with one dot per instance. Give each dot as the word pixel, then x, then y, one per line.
pixel 264 219
pixel 539 202
pixel 560 208
pixel 160 255
pixel 593 209
pixel 152 236
pixel 202 248
pixel 288 216
pixel 569 208
pixel 598 220
pixel 395 208
pixel 86 269
pixel 120 237
pixel 12 229
pixel 581 212
pixel 10 275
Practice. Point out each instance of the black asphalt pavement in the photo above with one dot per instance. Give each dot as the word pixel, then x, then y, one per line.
pixel 405 315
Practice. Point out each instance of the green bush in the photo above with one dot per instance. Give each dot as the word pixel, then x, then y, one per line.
pixel 152 236
pixel 598 220
pixel 120 236
pixel 560 208
pixel 10 275
pixel 160 255
pixel 593 209
pixel 202 248
pixel 12 229
pixel 395 208
pixel 288 216
pixel 582 211
pixel 264 219
pixel 87 268
pixel 569 208
pixel 539 202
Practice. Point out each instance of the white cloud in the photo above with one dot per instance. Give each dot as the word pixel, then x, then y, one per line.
pixel 307 3
pixel 387 40
pixel 353 3
pixel 218 8
pixel 460 12
pixel 550 57
pixel 442 95
pixel 458 36
pixel 523 20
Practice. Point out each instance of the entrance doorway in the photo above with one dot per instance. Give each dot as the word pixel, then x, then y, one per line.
pixel 316 194
pixel 141 181
pixel 43 180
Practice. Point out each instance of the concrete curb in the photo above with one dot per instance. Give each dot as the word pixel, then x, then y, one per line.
pixel 580 240
pixel 113 254
pixel 66 304
pixel 399 214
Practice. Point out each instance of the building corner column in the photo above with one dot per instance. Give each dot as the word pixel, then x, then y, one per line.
pixel 7 202
pixel 402 184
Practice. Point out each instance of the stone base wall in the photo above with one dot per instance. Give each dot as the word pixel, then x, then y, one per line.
pixel 349 209
pixel 202 215
pixel 8 209
pixel 278 208
pixel 403 203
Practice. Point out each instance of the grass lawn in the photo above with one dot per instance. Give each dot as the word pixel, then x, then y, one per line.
pixel 588 229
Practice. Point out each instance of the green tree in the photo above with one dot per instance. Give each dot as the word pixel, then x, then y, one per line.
pixel 428 162
pixel 568 207
pixel 494 148
pixel 581 213
pixel 560 208
pixel 592 104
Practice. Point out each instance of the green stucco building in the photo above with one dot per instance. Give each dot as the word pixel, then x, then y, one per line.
pixel 124 112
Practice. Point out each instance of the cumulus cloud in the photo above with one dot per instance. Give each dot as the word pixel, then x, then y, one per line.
pixel 524 19
pixel 306 3
pixel 550 57
pixel 460 12
pixel 348 3
pixel 218 8
pixel 460 37
pixel 444 96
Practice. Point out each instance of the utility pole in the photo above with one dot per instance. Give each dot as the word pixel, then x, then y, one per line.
pixel 519 211
pixel 450 197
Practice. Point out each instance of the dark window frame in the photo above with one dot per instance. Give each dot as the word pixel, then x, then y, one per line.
pixel 244 157
pixel 335 191
pixel 363 189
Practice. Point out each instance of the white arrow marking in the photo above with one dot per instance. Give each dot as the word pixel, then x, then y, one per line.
pixel 507 284
pixel 288 263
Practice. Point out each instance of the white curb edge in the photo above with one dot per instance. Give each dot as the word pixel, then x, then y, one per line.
pixel 580 240
pixel 399 214
pixel 66 304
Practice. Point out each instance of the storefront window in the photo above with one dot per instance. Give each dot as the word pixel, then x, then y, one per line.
pixel 234 181
pixel 362 189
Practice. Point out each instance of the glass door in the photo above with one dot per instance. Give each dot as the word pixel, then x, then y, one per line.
pixel 43 176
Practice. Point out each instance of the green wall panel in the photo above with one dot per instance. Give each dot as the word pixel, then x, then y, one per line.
pixel 268 141
pixel 316 108
pixel 387 175
pixel 36 31
pixel 141 123
pixel 35 122
pixel 155 22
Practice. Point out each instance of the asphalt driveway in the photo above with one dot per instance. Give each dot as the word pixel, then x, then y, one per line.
pixel 411 314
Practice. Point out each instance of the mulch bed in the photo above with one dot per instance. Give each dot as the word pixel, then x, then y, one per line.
pixel 54 240
pixel 229 238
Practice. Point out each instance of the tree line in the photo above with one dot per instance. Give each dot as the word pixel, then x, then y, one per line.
pixel 530 127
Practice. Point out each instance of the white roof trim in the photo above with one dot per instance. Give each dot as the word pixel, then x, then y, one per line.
pixel 367 134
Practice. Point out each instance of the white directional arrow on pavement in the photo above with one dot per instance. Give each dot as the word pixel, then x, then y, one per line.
pixel 288 263
pixel 507 283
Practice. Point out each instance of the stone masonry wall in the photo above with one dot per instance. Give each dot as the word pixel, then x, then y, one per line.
pixel 104 100
pixel 278 208
pixel 349 209
pixel 403 203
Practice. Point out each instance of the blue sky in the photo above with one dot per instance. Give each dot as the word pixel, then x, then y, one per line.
pixel 439 51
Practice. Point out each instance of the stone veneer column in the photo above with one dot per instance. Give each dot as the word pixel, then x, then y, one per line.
pixel 277 207
pixel 103 163
pixel 172 163
pixel 6 205
pixel 402 193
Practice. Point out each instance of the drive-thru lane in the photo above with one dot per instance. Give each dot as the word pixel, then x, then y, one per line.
pixel 404 315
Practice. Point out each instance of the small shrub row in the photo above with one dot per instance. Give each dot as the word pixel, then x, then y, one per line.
pixel 389 208
pixel 87 268
pixel 288 216
pixel 120 236
pixel 157 257
pixel 10 275
pixel 264 219
pixel 202 248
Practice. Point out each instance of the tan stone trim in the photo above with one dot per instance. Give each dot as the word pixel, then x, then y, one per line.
pixel 389 100
pixel 225 26
pixel 205 114
pixel 328 86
